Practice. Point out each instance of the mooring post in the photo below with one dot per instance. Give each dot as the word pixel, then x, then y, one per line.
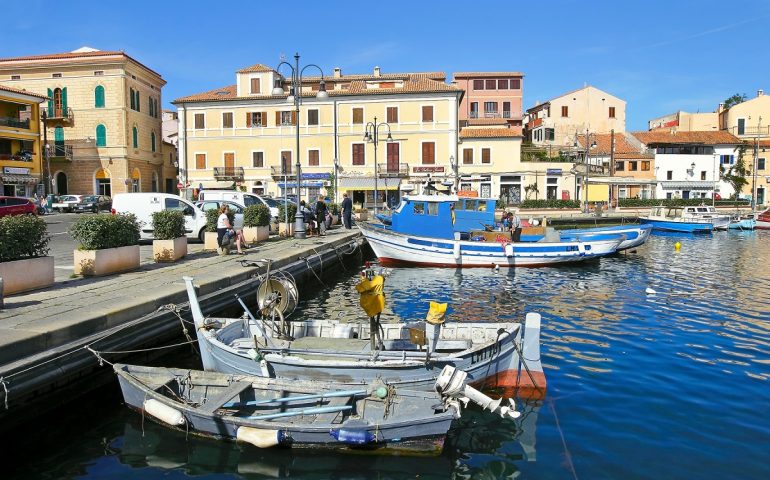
pixel 1 293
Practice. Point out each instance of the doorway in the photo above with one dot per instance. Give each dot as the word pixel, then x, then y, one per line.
pixel 61 184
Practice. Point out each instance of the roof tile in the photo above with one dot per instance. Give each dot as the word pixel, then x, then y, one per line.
pixel 490 132
pixel 25 92
pixel 719 137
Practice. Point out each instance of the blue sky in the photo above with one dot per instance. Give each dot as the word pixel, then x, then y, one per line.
pixel 659 56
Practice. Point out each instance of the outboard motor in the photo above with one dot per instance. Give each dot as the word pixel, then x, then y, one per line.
pixel 451 383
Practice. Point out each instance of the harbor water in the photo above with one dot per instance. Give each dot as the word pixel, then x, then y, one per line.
pixel 657 362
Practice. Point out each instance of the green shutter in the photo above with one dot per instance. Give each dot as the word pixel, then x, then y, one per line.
pixel 50 103
pixel 64 100
pixel 152 141
pixel 58 136
pixel 136 137
pixel 101 136
pixel 99 96
pixel 138 105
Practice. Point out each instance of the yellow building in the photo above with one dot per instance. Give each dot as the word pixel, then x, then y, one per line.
pixel 103 119
pixel 21 166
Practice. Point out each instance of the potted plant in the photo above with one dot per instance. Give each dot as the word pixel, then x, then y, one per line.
pixel 335 211
pixel 256 223
pixel 362 214
pixel 107 244
pixel 170 243
pixel 286 229
pixel 24 264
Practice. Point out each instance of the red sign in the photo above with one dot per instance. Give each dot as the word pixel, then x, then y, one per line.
pixel 427 169
pixel 467 193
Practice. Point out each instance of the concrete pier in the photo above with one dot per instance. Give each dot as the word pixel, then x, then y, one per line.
pixel 44 335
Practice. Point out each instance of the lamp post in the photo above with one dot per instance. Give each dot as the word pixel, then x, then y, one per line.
pixel 456 169
pixel 47 155
pixel 372 134
pixel 587 158
pixel 295 95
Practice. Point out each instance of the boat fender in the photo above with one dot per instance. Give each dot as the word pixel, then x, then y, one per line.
pixel 163 412
pixel 381 392
pixel 456 250
pixel 259 437
pixel 353 437
pixel 508 249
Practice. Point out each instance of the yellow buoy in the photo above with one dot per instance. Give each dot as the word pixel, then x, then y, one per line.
pixel 677 246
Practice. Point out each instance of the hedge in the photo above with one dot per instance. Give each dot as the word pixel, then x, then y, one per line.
pixel 292 212
pixel 23 236
pixel 550 204
pixel 677 202
pixel 212 216
pixel 100 231
pixel 256 216
pixel 168 224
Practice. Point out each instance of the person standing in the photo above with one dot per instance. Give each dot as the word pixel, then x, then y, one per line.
pixel 320 215
pixel 347 211
pixel 515 223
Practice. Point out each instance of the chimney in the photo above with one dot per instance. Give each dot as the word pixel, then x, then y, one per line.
pixel 760 92
pixel 377 72
pixel 337 72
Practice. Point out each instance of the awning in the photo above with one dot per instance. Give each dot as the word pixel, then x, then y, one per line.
pixel 213 184
pixel 366 183
pixel 19 179
pixel 688 185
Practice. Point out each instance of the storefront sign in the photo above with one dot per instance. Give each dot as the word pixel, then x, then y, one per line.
pixel 316 176
pixel 467 193
pixel 553 171
pixel 16 170
pixel 427 169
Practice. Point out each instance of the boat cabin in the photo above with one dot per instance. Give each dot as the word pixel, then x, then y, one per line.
pixel 431 215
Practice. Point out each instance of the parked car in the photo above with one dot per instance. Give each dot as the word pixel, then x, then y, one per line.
pixel 144 204
pixel 235 208
pixel 290 198
pixel 17 206
pixel 241 198
pixel 67 203
pixel 94 203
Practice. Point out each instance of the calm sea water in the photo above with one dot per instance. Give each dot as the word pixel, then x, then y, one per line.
pixel 674 384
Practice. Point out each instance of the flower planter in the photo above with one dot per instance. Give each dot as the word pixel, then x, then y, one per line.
pixel 256 234
pixel 362 216
pixel 169 250
pixel 95 263
pixel 286 229
pixel 28 274
pixel 210 241
pixel 335 219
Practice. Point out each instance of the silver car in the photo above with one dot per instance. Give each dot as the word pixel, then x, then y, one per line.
pixel 235 208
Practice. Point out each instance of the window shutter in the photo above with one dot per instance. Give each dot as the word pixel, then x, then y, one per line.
pixel 101 136
pixel 294 117
pixel 136 137
pixel 131 97
pixel 138 104
pixel 50 102
pixel 264 119
pixel 277 118
pixel 248 119
pixel 64 100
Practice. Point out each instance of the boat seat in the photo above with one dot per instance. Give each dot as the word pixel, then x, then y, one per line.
pixel 332 344
pixel 441 345
pixel 333 417
pixel 216 401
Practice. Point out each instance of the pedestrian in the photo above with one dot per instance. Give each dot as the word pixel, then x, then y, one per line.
pixel 225 231
pixel 505 223
pixel 320 214
pixel 515 226
pixel 43 205
pixel 307 217
pixel 347 211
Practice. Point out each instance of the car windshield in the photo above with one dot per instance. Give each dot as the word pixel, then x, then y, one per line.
pixel 271 202
pixel 249 200
pixel 92 198
pixel 68 198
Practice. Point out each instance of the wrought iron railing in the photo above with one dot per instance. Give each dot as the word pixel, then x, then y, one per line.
pixel 393 169
pixel 228 173
pixel 59 114
pixel 14 122
pixel 58 151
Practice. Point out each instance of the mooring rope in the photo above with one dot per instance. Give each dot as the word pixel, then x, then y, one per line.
pixel 5 388
pixel 567 453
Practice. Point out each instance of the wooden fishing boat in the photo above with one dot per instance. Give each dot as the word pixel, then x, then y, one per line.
pixel 412 356
pixel 268 412
pixel 740 222
pixel 763 219
pixel 670 219
pixel 636 235
pixel 707 213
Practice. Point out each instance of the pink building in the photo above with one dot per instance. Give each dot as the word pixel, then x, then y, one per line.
pixel 490 96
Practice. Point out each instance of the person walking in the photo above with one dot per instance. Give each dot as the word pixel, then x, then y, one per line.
pixel 320 215
pixel 347 211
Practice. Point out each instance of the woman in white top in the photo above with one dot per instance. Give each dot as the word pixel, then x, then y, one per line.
pixel 225 228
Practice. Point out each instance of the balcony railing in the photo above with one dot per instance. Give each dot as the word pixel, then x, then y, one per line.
pixel 59 152
pixel 748 131
pixel 59 114
pixel 504 114
pixel 393 170
pixel 278 173
pixel 14 122
pixel 228 173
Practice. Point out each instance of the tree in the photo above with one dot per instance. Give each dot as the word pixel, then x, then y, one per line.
pixel 736 174
pixel 734 100
pixel 530 189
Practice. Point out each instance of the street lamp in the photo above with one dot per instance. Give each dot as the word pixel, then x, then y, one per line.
pixel 295 96
pixel 586 160
pixel 456 169
pixel 47 154
pixel 372 134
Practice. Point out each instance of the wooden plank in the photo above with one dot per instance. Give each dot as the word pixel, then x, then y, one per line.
pixel 217 401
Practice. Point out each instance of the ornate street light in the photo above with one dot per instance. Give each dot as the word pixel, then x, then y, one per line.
pixel 372 134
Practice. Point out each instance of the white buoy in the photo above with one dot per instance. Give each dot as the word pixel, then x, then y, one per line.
pixel 497 267
pixel 650 291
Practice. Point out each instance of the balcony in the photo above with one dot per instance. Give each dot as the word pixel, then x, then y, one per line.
pixel 278 173
pixel 747 131
pixel 59 115
pixel 59 152
pixel 507 114
pixel 234 174
pixel 14 122
pixel 400 170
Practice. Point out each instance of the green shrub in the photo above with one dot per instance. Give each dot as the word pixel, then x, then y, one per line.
pixel 97 232
pixel 23 236
pixel 168 224
pixel 282 210
pixel 213 215
pixel 550 204
pixel 334 209
pixel 677 202
pixel 256 216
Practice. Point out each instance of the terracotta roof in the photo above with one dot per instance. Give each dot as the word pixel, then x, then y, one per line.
pixel 486 74
pixel 604 144
pixel 72 56
pixel 719 137
pixel 468 132
pixel 255 68
pixel 414 83
pixel 25 92
pixel 487 121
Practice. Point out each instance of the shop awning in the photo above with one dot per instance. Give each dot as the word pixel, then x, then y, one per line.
pixel 19 179
pixel 688 185
pixel 366 183
pixel 213 184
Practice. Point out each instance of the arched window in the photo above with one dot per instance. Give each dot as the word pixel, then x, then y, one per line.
pixel 101 135
pixel 99 96
pixel 135 132
pixel 152 141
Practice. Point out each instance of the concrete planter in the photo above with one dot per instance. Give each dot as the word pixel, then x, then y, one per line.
pixel 256 234
pixel 335 219
pixel 210 241
pixel 286 229
pixel 362 216
pixel 28 274
pixel 169 250
pixel 95 263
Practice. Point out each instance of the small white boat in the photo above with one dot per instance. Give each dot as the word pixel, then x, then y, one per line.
pixel 739 222
pixel 671 219
pixel 707 213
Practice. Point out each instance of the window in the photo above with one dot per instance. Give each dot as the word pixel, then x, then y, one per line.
pixel 502 84
pixel 703 175
pixel 727 159
pixel 256 119
pixel 515 84
pixel 150 106
pixel 506 109
pixel 427 113
pixel 200 121
pixel 645 165
pixel 358 154
pixel 135 136
pixel 200 161
pixel 228 160
pixel 551 188
pixel 474 109
pixel 227 120
pixel 132 98
pixel 670 175
pixel 760 164
pixel 257 159
pixel 152 141
pixel 285 118
pixel 136 101
pixel 358 115
pixel 490 84
pixel 486 155
pixel 99 73
pixel 419 208
pixel 478 84
pixel 467 156
pixel 490 107
pixel 612 112
pixel 312 117
pixel 286 162
pixel 433 208
pixel 550 134
pixel 741 126
pixel 565 111
pixel 428 153
pixel 255 87
pixel 101 135
pixel 57 75
pixel 393 157
pixel 313 158
pixel 15 77
pixel 620 166
pixel 632 166
pixel 99 97
pixel 392 114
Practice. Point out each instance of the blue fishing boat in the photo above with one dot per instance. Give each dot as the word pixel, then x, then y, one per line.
pixel 671 219
pixel 635 234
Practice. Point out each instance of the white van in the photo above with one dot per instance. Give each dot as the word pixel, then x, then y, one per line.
pixel 242 198
pixel 144 204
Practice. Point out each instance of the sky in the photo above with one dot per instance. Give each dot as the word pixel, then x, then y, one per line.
pixel 658 56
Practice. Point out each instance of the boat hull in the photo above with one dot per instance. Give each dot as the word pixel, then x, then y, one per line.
pixel 393 248
pixel 636 235
pixel 677 226
pixel 743 224
pixel 763 220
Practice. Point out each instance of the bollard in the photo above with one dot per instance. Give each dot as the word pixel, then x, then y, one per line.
pixel 1 293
